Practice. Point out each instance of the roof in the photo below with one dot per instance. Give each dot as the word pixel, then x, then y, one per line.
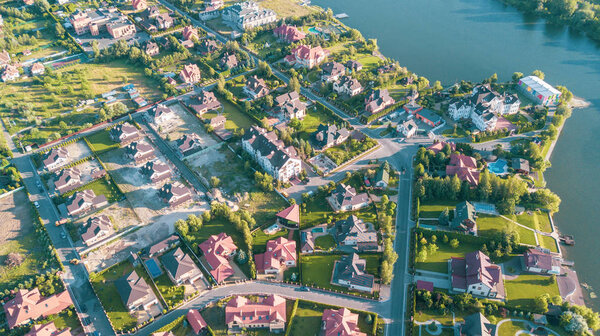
pixel 155 168
pixel 270 309
pixel 83 199
pixel 477 325
pixel 353 228
pixel 196 320
pixel 327 135
pixel 429 115
pixel 204 101
pixel 188 142
pixel 475 268
pixel 178 263
pixel 163 244
pixel 464 167
pixel 96 226
pixel 539 86
pixel 341 322
pixel 378 98
pixel 30 305
pixel 289 33
pixel 346 195
pixel 291 213
pixel 520 164
pixel 278 251
pixel 48 329
pixel 54 155
pixel 333 68
pixel 425 285
pixel 538 259
pixel 172 191
pixel 215 248
pixel 352 269
pixel 382 175
pixel 308 53
pixel 464 216
pixel 67 176
pixel 439 146
pixel 132 288
pixel 268 145
pixel 124 131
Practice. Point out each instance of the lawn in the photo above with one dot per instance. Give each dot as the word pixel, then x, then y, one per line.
pixel 433 209
pixel 106 290
pixel 307 321
pixel 314 117
pixel 493 226
pixel 101 142
pixel 548 242
pixel 317 269
pixel 522 291
pixel 236 119
pixel 426 315
pixel 438 262
pixel 325 242
pixel 261 238
pixel 458 133
pixel 67 318
pixel 511 328
pixel 214 227
pixel 172 294
pixel 538 220
pixel 103 186
pixel 265 205
pixel 287 8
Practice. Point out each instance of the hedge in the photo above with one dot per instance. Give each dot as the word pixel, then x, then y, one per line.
pixel 172 325
pixel 369 119
pixel 291 319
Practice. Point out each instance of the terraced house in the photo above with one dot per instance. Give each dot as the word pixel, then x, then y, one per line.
pixel 84 201
pixel 272 155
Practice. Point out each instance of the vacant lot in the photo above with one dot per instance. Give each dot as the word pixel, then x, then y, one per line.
pixel 18 235
pixel 101 142
pixel 522 291
pixel 287 8
pixel 188 124
pixel 103 186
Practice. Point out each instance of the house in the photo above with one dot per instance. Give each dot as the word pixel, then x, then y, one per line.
pixel 174 194
pixel 307 242
pixel 465 218
pixel 540 91
pixel 306 56
pixel 163 246
pixel 204 102
pixel 256 88
pixel 37 69
pixel 55 158
pixel 208 46
pixel 247 15
pixel 84 201
pixel 229 61
pixel 196 321
pixel 48 329
pixel 475 274
pixel 139 5
pixel 139 151
pixel 188 144
pixel 412 107
pixel 408 128
pixel 96 229
pixel 352 65
pixel 151 49
pixel 135 292
pixel 520 166
pixel 536 260
pixel 290 105
pixel 439 146
pixel 347 85
pixel 331 71
pixel 29 305
pixel 211 9
pixel 465 167
pixel 382 177
pixel 217 250
pixel 67 179
pixel 345 198
pixel 270 312
pixel 328 136
pixel 180 267
pixel 378 100
pixel 280 253
pixel 340 322
pixel 511 104
pixel 477 325
pixel 94 20
pixel 164 21
pixel 190 33
pixel 190 74
pixel 4 58
pixel 354 232
pixel 217 122
pixel 10 73
pixel 163 333
pixel 350 271
pixel 289 34
pixel 156 171
pixel 429 117
pixel 161 114
pixel 289 217
pixel 272 155
pixel 124 133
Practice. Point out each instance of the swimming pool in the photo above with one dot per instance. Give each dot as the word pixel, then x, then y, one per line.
pixel 153 268
pixel 318 230
pixel 499 167
pixel 314 30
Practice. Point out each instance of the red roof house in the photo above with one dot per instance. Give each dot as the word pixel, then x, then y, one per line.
pixel 48 329
pixel 189 33
pixel 307 56
pixel 475 274
pixel 139 4
pixel 439 146
pixel 289 216
pixel 270 313
pixel 217 250
pixel 465 167
pixel 340 322
pixel 280 253
pixel 30 305
pixel 289 34
pixel 196 321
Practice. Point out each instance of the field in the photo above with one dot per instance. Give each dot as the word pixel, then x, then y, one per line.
pixel 18 235
pixel 103 186
pixel 314 117
pixel 493 226
pixel 522 291
pixel 101 142
pixel 433 209
pixel 438 262
pixel 548 242
pixel 286 8
pixel 325 242
pixel 172 294
pixel 538 220
pixel 317 269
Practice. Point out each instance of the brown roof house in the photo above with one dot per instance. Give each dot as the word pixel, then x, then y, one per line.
pixel 139 5
pixel 196 321
pixel 340 322
pixel 477 325
pixel 163 245
pixel 29 305
pixel 354 232
pixel 378 100
pixel 67 179
pixel 124 133
pixel 204 102
pixel 135 292
pixel 37 69
pixel 208 46
pixel 190 74
pixel 328 135
pixel 256 88
pixel 188 144
pixel 48 329
pixel 180 267
pixel 351 271
pixel 156 171
pixel 353 65
pixel 175 194
pixel 151 48
pixel 190 33
pixel 345 198
pixel 84 201
pixel 290 105
pixel 270 312
pixel 280 254
pixel 10 73
pixel 331 71
pixel 139 151
pixel 464 167
pixel 521 166
pixel 161 114
pixel 306 56
pixel 217 250
pixel 475 274
pixel 96 229
pixel 289 34
pixel 217 122
pixel 4 58
pixel 347 85
pixel 229 61
pixel 536 260
pixel 55 158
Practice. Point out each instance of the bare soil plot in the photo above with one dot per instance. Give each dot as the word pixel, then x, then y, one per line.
pixel 225 165
pixel 188 124
pixel 87 168
pixel 120 214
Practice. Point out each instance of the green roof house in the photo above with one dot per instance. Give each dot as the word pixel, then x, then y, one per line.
pixel 465 218
pixel 382 177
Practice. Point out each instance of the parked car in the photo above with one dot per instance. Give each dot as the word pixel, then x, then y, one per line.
pixel 37 205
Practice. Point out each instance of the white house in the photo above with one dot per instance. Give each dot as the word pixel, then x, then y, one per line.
pixel 247 15
pixel 347 85
pixel 540 91
pixel 408 128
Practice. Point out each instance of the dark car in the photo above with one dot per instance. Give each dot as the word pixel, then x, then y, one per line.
pixel 304 289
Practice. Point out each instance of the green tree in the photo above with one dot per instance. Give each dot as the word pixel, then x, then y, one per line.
pixel 516 76
pixel 539 74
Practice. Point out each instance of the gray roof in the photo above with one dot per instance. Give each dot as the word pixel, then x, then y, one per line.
pixel 353 269
pixel 178 263
pixel 326 135
pixel 132 287
pixel 477 325
pixel 464 215
pixel 355 229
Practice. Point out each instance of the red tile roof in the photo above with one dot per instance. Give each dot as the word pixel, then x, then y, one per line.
pixel 465 167
pixel 29 305
pixel 48 329
pixel 270 309
pixel 216 249
pixel 196 320
pixel 291 213
pixel 341 322
pixel 279 252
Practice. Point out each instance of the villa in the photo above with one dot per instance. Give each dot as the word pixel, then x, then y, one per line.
pixel 180 267
pixel 408 128
pixel 350 272
pixel 196 321
pixel 156 171
pixel 175 194
pixel 84 201
pixel 96 229
pixel 306 56
pixel 345 198
pixel 536 260
pixel 204 102
pixel 439 146
pixel 256 88
pixel 151 49
pixel 161 114
pixel 48 329
pixel 477 325
pixel 124 133
pixel 465 218
pixel 217 250
pixel 289 217
pixel 352 65
pixel 464 167
pixel 208 46
pixel 190 33
pixel 247 15
pixel 67 179
pixel 139 5
pixel 135 292
pixel 37 69
pixel 331 71
pixel 475 274
pixel 280 254
pixel 355 233
pixel 290 105
pixel 229 61
pixel 289 34
pixel 340 322
pixel 270 312
pixel 347 85
pixel 190 74
pixel 188 144
pixel 4 58
pixel 10 73
pixel 139 151
pixel 55 158
pixel 378 100
pixel 328 136
pixel 29 305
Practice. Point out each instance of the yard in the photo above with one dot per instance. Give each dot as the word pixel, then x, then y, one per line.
pixel 101 142
pixel 493 226
pixel 438 262
pixel 260 239
pixel 103 284
pixel 314 117
pixel 236 118
pixel 511 328
pixel 522 291
pixel 548 242
pixel 325 242
pixel 317 269
pixel 537 220
pixel 103 186
pixel 287 8
pixel 172 294
pixel 433 208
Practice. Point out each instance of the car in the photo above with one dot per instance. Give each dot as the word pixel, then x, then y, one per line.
pixel 63 235
pixel 303 289
pixel 37 205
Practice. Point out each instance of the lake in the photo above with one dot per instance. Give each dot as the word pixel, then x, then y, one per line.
pixel 450 40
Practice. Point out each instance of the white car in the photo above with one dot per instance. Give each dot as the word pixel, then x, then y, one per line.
pixel 37 205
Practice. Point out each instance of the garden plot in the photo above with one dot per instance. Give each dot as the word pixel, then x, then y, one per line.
pixel 188 124
pixel 161 227
pixel 121 216
pixel 88 170
pixel 77 151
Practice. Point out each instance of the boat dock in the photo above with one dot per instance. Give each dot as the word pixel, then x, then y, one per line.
pixel 341 16
pixel 567 240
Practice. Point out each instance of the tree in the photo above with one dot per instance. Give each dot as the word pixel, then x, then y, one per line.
pixel 294 84
pixel 516 76
pixel 539 74
pixel 444 218
pixel 215 181
pixel 269 100
pixel 454 243
pixel 574 323
pixel 437 86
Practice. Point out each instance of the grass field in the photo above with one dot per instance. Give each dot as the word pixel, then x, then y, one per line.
pixel 538 220
pixel 102 186
pixel 236 119
pixel 101 142
pixel 314 117
pixel 325 242
pixel 307 321
pixel 317 269
pixel 104 285
pixel 522 291
pixel 433 209
pixel 261 238
pixel 548 242
pixel 171 293
pixel 287 8
pixel 438 262
pixel 510 328
pixel 493 226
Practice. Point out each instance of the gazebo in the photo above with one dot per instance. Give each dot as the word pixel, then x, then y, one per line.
pixel 289 217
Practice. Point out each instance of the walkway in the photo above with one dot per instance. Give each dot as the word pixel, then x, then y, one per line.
pixel 529 324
